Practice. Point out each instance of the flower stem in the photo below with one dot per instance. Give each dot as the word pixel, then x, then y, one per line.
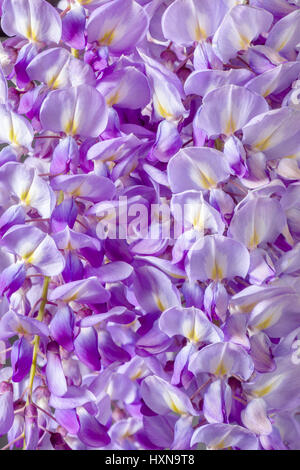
pixel 13 442
pixel 36 343
pixel 37 338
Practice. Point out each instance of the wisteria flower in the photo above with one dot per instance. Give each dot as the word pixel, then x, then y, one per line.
pixel 149 225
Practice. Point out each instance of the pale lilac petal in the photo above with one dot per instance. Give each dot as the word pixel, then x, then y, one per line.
pixel 117 88
pixel 222 436
pixel 197 168
pixel 6 407
pixel 240 27
pixel 35 20
pixel 199 20
pixel 120 25
pixel 91 186
pixel 162 397
pixel 57 68
pixel 284 36
pixel 216 257
pixel 191 323
pixel 15 129
pixel 154 290
pixel 36 248
pixel 255 418
pixel 221 112
pixel 222 359
pixel 69 105
pixel 257 221
pixel 275 133
pixel 84 291
pixel 217 402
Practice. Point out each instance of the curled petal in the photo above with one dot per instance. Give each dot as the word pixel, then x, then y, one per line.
pixel 54 372
pixel 255 418
pixel 15 130
pixel 36 248
pixel 240 27
pixel 162 397
pixel 222 436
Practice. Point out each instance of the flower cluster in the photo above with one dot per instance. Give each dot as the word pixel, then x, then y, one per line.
pixel 111 337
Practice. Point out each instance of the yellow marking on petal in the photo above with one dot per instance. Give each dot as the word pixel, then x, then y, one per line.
pixel 266 389
pixel 72 298
pixel 263 144
pixel 176 276
pixel 110 164
pixel 30 34
pixel 198 221
pixel 21 330
pixel 162 111
pixel 267 92
pixel 107 38
pixel 221 369
pixel 29 257
pixel 175 408
pixel 230 126
pixel 12 136
pixel 75 52
pixel 61 197
pixel 127 325
pixel 71 127
pixel 137 375
pixel 54 82
pixel 247 308
pixel 159 303
pixel 69 246
pixel 206 181
pixel 217 272
pixel 192 336
pixel 113 99
pixel 200 33
pixel 244 42
pixel 25 198
pixel 254 240
pixel 265 323
pixel 281 45
pixel 263 391
pixel 219 446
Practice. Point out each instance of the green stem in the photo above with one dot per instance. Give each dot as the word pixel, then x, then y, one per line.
pixel 36 343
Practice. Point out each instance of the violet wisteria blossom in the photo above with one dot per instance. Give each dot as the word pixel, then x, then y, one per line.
pixel 150 225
